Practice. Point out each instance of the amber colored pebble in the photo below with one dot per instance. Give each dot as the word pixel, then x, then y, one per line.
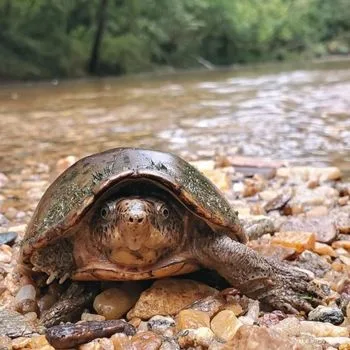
pixel 225 325
pixel 324 249
pixel 121 342
pixel 300 241
pixel 146 341
pixel 187 319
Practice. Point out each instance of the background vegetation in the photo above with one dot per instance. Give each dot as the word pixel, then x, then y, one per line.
pixel 65 38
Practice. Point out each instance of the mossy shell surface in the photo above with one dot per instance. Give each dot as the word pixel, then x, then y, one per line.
pixel 75 190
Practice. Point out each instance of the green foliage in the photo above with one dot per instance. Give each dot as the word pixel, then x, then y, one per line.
pixel 54 38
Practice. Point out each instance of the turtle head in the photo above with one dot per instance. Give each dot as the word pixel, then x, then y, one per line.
pixel 138 231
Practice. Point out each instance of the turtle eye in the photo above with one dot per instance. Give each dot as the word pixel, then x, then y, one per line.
pixel 104 212
pixel 164 211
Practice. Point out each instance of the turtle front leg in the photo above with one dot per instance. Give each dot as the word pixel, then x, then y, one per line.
pixel 279 285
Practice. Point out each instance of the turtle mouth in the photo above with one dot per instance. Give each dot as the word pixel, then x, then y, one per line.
pixel 127 257
pixel 120 272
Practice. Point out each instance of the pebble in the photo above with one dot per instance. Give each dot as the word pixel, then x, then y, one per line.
pixel 3 180
pixel 190 319
pixel 196 337
pixel 271 319
pixel 326 314
pixel 324 249
pixel 70 335
pixel 113 303
pixel 278 202
pixel 210 305
pixel 5 254
pixel 121 342
pixel 290 327
pixel 64 163
pixel 299 241
pixel 252 314
pixel 304 173
pixel 342 343
pixel 320 329
pixel 155 300
pixel 169 344
pixel 85 316
pixel 98 344
pixel 317 211
pixel 341 244
pixel 225 325
pixel 162 325
pixel 313 262
pixel 259 338
pixel 4 221
pixel 323 227
pixel 277 252
pixel 5 343
pixel 146 341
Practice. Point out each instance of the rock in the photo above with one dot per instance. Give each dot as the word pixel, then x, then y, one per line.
pixel 290 327
pixel 113 303
pixel 225 325
pixel 25 299
pixel 20 343
pixel 5 343
pixel 196 337
pixel 326 314
pixel 259 338
pixel 342 343
pixel 39 341
pixel 121 342
pixel 278 202
pixel 313 262
pixel 169 344
pixel 320 329
pixel 299 241
pixel 253 162
pixel 323 227
pixel 162 325
pixel 70 335
pixel 222 178
pixel 188 319
pixel 155 300
pixel 5 254
pixel 203 165
pixel 252 186
pixel 252 314
pixel 13 324
pixel 317 211
pixel 146 341
pixel 3 180
pixel 268 250
pixel 85 316
pixel 210 305
pixel 305 173
pixel 7 237
pixel 98 344
pixel 341 244
pixel 343 200
pixel 257 226
pixel 341 219
pixel 324 249
pixel 271 319
pixel 4 221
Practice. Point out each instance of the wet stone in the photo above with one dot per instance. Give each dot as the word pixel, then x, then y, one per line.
pixel 259 338
pixel 313 262
pixel 320 329
pixel 155 300
pixel 299 241
pixel 146 341
pixel 121 342
pixel 4 221
pixel 188 319
pixel 162 325
pixel 196 337
pixel 113 303
pixel 225 325
pixel 326 314
pixel 271 319
pixel 323 227
pixel 98 344
pixel 70 335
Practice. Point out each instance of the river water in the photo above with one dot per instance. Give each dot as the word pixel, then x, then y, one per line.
pixel 300 114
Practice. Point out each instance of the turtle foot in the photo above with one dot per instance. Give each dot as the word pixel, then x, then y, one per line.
pixel 293 290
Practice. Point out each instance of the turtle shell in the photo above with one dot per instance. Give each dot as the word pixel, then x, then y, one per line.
pixel 76 189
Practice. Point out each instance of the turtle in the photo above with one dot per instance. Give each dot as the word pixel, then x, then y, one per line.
pixel 136 214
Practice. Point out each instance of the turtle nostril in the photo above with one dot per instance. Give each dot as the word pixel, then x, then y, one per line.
pixel 131 219
pixel 139 220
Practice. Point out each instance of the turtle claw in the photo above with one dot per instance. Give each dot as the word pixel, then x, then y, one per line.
pixel 295 290
pixel 51 278
pixel 64 278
